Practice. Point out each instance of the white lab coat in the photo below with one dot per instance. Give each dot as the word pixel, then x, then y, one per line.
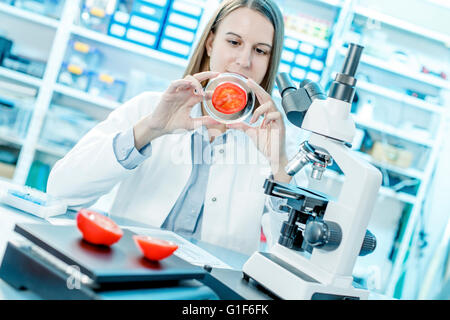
pixel 234 200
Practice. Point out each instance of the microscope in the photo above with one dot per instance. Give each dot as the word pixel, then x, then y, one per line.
pixel 322 237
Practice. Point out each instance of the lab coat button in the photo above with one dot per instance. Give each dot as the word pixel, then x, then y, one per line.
pixel 221 151
pixel 214 199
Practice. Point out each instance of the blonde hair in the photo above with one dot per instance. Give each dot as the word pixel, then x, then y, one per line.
pixel 199 61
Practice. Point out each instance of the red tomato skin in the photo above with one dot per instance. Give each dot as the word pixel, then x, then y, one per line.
pixel 95 234
pixel 154 249
pixel 229 98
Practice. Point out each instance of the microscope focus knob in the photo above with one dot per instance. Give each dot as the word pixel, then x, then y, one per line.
pixel 369 244
pixel 325 235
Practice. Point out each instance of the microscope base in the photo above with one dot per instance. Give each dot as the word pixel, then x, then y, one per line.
pixel 291 283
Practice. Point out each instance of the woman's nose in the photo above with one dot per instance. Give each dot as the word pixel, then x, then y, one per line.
pixel 244 58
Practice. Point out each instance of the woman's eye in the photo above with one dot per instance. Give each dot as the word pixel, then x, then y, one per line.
pixel 260 51
pixel 233 42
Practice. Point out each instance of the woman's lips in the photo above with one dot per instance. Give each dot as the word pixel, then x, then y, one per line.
pixel 242 75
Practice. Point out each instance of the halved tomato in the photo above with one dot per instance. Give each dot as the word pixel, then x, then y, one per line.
pixel 153 248
pixel 97 228
pixel 229 98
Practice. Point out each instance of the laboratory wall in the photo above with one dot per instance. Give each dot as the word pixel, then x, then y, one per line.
pixel 65 65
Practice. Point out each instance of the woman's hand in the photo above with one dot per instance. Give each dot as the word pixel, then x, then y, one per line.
pixel 269 137
pixel 173 110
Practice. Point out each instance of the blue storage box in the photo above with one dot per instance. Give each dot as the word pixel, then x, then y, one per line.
pixel 284 67
pixel 306 48
pixel 160 3
pixel 316 65
pixel 149 10
pixel 313 76
pixel 182 20
pixel 302 60
pixel 180 29
pixel 144 24
pixel 287 56
pixel 174 47
pixel 180 34
pixel 117 30
pixel 298 74
pixel 290 43
pixel 187 7
pixel 121 17
pixel 320 53
pixel 141 37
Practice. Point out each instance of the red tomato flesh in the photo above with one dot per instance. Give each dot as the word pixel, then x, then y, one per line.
pixel 154 249
pixel 229 98
pixel 97 228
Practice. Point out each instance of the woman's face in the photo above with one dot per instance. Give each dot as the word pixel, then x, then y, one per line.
pixel 242 44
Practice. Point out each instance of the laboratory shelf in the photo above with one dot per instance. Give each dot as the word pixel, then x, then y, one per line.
pixel 401 70
pixel 400 196
pixel 8 137
pixel 4 179
pixel 409 172
pixel 86 97
pixel 331 3
pixel 52 150
pixel 28 15
pixel 20 77
pixel 402 25
pixel 399 97
pixel 129 46
pixel 392 131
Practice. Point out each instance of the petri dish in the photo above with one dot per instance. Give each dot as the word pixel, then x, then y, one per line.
pixel 219 114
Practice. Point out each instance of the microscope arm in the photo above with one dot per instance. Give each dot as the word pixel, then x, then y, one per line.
pixel 353 208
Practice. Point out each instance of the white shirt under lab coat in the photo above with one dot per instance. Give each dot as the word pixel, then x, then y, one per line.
pixel 234 200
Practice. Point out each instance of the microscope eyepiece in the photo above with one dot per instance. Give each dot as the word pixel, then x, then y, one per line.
pixel 284 83
pixel 343 86
pixel 296 101
pixel 352 60
pixel 313 89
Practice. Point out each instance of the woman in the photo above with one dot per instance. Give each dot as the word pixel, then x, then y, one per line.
pixel 176 167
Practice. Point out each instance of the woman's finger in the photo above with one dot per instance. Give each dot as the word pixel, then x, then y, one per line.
pixel 202 76
pixel 271 116
pixel 208 94
pixel 196 84
pixel 262 109
pixel 260 93
pixel 179 84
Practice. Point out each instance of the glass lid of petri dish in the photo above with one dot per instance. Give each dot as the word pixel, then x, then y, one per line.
pixel 229 99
